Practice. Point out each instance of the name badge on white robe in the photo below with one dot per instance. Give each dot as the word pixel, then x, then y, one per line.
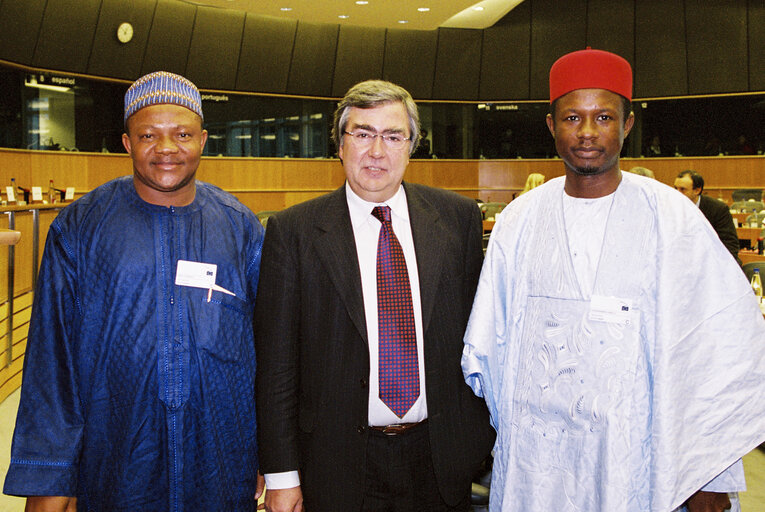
pixel 610 309
pixel 198 275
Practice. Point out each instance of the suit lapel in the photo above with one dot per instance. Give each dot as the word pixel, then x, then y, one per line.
pixel 336 248
pixel 429 235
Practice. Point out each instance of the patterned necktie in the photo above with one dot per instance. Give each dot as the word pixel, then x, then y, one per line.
pixel 398 369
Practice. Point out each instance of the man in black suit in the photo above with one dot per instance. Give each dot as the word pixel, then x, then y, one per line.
pixel 327 439
pixel 691 184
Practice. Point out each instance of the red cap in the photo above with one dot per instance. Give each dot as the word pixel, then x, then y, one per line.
pixel 590 69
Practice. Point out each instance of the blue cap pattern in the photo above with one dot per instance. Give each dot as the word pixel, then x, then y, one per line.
pixel 162 87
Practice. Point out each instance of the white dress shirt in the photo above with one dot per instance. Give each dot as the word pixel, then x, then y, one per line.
pixel 366 232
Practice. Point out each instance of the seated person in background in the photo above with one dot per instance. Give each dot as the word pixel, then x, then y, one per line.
pixel 653 149
pixel 642 171
pixel 533 181
pixel 691 185
pixel 743 147
pixel 423 149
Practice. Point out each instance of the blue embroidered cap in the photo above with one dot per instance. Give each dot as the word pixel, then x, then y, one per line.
pixel 162 87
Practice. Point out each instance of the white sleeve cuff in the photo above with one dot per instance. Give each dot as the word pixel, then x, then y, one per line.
pixel 285 480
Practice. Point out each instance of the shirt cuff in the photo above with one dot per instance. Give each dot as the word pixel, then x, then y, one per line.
pixel 285 480
pixel 730 480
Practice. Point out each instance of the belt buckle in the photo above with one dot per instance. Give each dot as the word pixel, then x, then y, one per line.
pixel 392 430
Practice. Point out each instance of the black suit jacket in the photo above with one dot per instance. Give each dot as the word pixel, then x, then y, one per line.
pixel 718 215
pixel 313 357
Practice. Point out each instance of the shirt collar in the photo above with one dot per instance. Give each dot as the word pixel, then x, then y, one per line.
pixel 361 210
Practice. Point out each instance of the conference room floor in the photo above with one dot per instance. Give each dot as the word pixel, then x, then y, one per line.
pixel 753 500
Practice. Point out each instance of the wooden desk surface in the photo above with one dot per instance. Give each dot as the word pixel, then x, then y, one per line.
pixel 750 256
pixel 749 234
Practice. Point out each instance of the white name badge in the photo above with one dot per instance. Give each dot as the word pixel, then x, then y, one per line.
pixel 198 275
pixel 11 194
pixel 610 309
pixel 69 194
pixel 36 193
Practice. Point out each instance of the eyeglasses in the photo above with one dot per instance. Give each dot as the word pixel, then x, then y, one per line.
pixel 363 139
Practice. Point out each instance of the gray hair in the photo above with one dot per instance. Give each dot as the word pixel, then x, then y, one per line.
pixel 371 94
pixel 643 172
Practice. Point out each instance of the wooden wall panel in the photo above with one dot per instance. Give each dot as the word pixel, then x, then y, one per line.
pixel 458 64
pixel 360 53
pixel 269 176
pixel 410 60
pixel 267 45
pixel 169 38
pixel 66 36
pixel 109 56
pixel 557 28
pixel 215 46
pixel 620 16
pixel 756 26
pixel 21 20
pixel 717 46
pixel 313 60
pixel 660 65
pixel 505 57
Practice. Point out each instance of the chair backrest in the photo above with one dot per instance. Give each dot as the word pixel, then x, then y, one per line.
pixel 264 215
pixel 745 194
pixel 490 210
pixel 486 237
pixel 754 220
pixel 749 268
pixel 747 206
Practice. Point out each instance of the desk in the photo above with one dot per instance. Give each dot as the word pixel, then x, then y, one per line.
pixel 751 234
pixel 488 225
pixel 751 256
pixel 739 218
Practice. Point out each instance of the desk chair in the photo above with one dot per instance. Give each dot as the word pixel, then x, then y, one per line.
pixel 748 206
pixel 490 210
pixel 264 215
pixel 749 268
pixel 745 194
pixel 754 220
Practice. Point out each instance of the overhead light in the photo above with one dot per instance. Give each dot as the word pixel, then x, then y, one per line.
pixel 423 9
pixel 361 2
pixel 478 8
pixel 243 137
pixel 285 9
pixel 343 16
pixel 403 21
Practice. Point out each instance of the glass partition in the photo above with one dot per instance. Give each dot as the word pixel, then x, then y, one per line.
pixel 50 111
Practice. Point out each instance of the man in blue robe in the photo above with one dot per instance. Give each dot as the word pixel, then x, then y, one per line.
pixel 138 385
pixel 619 348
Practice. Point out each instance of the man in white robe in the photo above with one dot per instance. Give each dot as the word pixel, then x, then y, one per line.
pixel 619 348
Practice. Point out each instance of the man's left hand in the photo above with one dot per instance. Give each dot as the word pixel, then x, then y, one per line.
pixel 259 488
pixel 703 501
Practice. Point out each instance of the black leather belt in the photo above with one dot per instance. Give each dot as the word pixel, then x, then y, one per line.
pixel 397 428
